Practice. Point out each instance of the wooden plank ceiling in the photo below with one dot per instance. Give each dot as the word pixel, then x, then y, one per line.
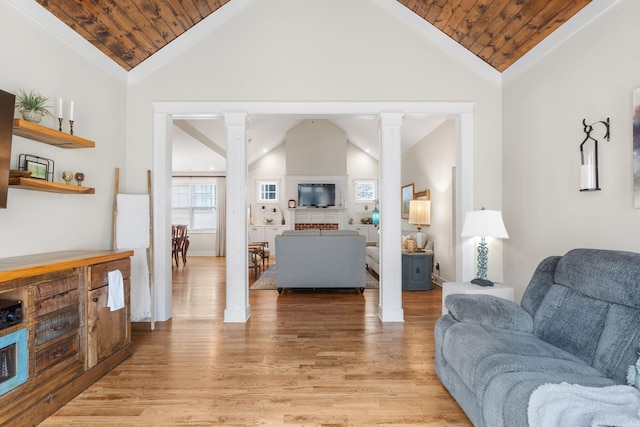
pixel 498 31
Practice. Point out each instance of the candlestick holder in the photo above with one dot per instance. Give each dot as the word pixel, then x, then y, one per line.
pixel 71 127
pixel 60 124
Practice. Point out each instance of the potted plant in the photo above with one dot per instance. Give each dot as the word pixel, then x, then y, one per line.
pixel 32 105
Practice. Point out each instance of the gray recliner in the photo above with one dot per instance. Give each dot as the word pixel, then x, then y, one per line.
pixel 579 322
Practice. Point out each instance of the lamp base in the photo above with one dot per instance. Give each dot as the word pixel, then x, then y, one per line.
pixel 482 282
pixel 419 239
pixel 483 258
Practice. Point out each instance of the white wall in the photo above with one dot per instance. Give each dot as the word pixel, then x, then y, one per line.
pixel 428 164
pixel 270 167
pixel 591 76
pixel 360 166
pixel 316 147
pixel 34 58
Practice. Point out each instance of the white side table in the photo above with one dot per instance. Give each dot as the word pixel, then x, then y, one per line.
pixel 497 289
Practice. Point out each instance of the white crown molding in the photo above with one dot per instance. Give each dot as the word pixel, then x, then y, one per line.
pixel 187 39
pixel 440 39
pixel 588 13
pixel 33 10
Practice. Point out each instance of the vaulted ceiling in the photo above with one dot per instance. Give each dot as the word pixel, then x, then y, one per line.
pixel 497 31
pixel 129 31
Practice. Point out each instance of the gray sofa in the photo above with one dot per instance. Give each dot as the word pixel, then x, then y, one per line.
pixel 320 259
pixel 372 255
pixel 579 323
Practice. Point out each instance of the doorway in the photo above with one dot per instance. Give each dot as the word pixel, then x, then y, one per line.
pixel 165 112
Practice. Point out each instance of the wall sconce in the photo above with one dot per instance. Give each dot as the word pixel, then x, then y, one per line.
pixel 484 223
pixel 419 214
pixel 589 157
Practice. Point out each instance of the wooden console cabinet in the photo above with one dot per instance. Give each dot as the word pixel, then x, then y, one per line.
pixel 73 337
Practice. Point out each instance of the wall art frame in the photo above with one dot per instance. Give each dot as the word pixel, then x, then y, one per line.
pixel 407 195
pixel 636 148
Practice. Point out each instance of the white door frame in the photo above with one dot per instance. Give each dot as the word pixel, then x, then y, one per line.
pixel 165 112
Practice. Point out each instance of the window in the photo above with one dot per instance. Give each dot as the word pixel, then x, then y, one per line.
pixel 267 191
pixel 364 191
pixel 194 205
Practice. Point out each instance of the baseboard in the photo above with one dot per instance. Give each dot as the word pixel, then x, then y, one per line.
pixel 439 280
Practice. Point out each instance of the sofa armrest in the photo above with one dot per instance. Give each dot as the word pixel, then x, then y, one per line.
pixel 489 310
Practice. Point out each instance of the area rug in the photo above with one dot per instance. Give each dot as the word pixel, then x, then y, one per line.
pixel 268 280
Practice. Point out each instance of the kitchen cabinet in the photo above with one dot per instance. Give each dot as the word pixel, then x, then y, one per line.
pixel 266 233
pixel 369 231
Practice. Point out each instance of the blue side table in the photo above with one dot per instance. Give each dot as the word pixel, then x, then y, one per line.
pixel 416 271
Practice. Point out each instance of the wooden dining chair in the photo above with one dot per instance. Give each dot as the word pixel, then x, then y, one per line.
pixel 178 243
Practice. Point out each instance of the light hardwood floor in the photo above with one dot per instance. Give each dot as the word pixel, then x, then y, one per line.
pixel 302 359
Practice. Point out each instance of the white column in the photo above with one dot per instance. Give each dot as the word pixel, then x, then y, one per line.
pixel 237 309
pixel 161 190
pixel 465 265
pixel 390 306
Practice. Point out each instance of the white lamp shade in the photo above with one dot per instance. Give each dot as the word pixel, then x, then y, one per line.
pixel 484 223
pixel 420 212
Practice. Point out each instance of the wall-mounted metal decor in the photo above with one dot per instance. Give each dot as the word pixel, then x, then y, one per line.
pixel 589 180
pixel 39 167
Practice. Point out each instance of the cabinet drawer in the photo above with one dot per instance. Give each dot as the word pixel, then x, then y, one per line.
pixel 56 353
pixel 55 326
pixel 51 296
pixel 99 272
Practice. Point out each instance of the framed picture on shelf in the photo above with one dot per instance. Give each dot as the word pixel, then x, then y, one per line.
pixel 39 167
pixel 38 170
pixel 407 195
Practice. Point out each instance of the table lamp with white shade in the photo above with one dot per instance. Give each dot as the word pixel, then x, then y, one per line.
pixel 484 223
pixel 419 214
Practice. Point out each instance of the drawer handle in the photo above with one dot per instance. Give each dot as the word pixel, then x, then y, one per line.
pixel 95 299
pixel 417 269
pixel 59 354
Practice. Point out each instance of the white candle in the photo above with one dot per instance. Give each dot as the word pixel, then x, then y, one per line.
pixel 71 111
pixel 587 178
pixel 588 174
pixel 60 108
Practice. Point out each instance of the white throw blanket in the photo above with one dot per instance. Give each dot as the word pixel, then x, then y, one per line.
pixel 132 232
pixel 140 292
pixel 132 224
pixel 572 405
pixel 115 299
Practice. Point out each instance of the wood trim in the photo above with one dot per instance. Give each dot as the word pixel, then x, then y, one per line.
pixel 32 265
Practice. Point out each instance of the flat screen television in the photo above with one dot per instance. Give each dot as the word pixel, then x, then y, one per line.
pixel 319 195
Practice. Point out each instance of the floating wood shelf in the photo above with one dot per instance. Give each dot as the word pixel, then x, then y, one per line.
pixel 49 136
pixel 51 187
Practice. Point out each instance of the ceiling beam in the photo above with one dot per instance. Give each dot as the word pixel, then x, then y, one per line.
pixel 200 137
